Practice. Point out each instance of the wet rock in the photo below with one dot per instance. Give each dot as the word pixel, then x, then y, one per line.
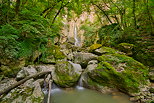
pixel 66 73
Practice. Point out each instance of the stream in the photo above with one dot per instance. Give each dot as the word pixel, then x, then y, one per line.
pixel 82 95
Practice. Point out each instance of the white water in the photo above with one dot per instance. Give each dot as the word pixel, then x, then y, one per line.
pixel 80 84
pixel 77 42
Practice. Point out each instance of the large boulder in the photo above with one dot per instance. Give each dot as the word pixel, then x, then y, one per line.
pixel 66 73
pixel 119 71
pixel 83 58
pixel 26 71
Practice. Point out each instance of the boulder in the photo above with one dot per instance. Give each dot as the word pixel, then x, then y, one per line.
pixel 94 47
pixel 88 83
pixel 42 68
pixel 83 58
pixel 66 73
pixel 121 72
pixel 26 71
pixel 105 50
pixel 126 47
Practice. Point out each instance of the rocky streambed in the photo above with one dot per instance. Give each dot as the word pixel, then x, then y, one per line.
pixel 103 69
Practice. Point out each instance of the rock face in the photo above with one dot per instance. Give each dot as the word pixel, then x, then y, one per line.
pixel 66 73
pixel 83 58
pixel 119 71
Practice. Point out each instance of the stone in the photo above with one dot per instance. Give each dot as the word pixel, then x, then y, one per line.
pixel 66 73
pixel 83 58
pixel 26 71
pixel 126 47
pixel 37 92
pixel 119 71
pixel 105 50
pixel 42 68
pixel 5 83
pixel 92 65
pixel 94 47
pixel 151 74
pixel 29 92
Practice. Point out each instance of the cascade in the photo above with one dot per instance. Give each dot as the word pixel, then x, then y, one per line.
pixel 80 83
pixel 77 42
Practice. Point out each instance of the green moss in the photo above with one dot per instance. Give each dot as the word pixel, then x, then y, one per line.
pixel 94 47
pixel 120 71
pixel 126 47
pixel 106 50
pixel 65 75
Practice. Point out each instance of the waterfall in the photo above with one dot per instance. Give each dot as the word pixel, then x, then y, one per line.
pixel 80 84
pixel 77 42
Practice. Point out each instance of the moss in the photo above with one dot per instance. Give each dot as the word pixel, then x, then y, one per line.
pixel 126 47
pixel 120 71
pixel 106 50
pixel 18 93
pixel 94 47
pixel 52 53
pixel 66 77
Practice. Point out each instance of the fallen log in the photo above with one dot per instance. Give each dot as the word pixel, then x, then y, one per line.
pixel 5 91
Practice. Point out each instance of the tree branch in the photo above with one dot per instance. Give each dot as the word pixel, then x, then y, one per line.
pixel 62 6
pixel 103 12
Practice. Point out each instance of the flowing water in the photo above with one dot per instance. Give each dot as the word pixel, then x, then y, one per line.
pixel 82 95
pixel 77 42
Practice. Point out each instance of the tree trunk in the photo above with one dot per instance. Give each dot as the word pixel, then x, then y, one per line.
pixel 134 16
pixel 62 6
pixel 17 8
pixel 103 13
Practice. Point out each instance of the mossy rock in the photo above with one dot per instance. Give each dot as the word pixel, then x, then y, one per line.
pixel 106 50
pixel 94 47
pixel 121 72
pixel 66 74
pixel 52 54
pixel 126 47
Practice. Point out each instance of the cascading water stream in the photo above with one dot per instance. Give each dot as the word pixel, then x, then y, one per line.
pixel 80 83
pixel 77 42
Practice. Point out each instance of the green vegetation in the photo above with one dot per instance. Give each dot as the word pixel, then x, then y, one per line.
pixel 28 29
